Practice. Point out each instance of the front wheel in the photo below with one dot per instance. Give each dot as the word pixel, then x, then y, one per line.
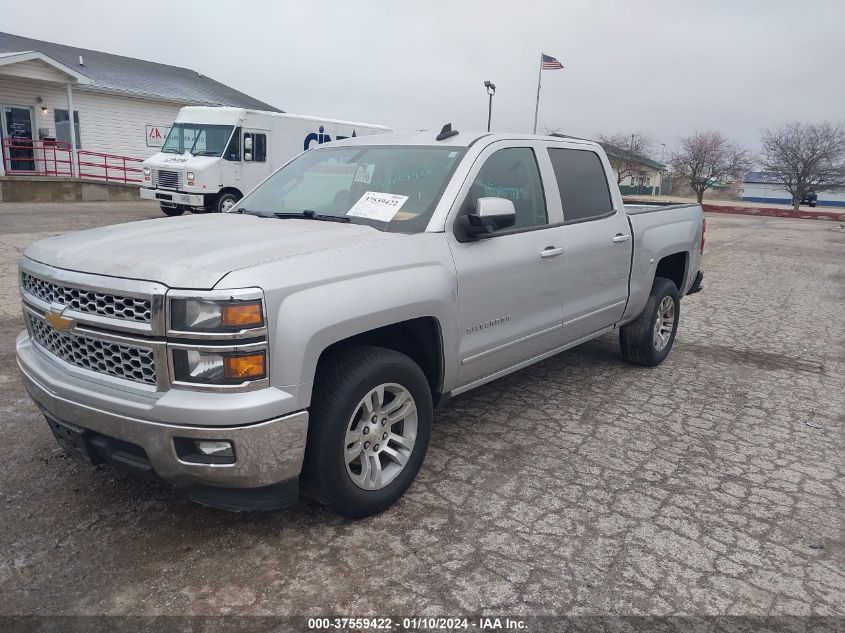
pixel 369 430
pixel 225 202
pixel 649 338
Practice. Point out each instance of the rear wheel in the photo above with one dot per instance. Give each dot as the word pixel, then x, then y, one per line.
pixel 369 430
pixel 172 211
pixel 649 339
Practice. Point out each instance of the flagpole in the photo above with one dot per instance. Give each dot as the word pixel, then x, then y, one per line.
pixel 537 105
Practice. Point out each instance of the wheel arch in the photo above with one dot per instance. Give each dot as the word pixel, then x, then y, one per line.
pixel 673 267
pixel 421 339
pixel 233 190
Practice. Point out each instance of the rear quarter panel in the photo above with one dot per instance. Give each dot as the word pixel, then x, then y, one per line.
pixel 658 233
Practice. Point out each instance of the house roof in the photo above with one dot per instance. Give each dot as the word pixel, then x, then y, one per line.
pixel 7 59
pixel 134 77
pixel 618 152
pixel 759 177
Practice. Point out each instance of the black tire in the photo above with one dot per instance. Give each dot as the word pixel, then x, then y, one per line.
pixel 227 198
pixel 342 381
pixel 172 211
pixel 637 338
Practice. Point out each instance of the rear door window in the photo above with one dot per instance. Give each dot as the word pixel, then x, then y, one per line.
pixel 583 184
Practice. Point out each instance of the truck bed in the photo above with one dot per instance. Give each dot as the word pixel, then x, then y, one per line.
pixel 636 209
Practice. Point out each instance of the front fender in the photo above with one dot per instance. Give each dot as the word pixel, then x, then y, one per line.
pixel 310 320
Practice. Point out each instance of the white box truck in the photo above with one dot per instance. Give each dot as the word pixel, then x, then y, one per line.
pixel 214 155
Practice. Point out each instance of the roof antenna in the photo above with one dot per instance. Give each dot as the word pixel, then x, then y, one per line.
pixel 446 132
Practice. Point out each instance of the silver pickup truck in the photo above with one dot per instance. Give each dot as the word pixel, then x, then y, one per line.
pixel 303 341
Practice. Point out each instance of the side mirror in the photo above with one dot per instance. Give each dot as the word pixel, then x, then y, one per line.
pixel 247 142
pixel 491 214
pixel 247 156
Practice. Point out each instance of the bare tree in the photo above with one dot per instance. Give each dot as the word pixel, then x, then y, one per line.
pixel 630 148
pixel 805 158
pixel 706 158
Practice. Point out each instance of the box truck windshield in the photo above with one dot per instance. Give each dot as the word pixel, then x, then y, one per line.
pixel 198 139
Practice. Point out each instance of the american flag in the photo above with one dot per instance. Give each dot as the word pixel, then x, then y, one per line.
pixel 550 63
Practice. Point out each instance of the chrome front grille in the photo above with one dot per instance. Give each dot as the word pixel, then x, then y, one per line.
pixel 121 361
pixel 168 179
pixel 90 302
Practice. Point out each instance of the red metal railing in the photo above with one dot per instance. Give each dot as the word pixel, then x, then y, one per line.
pixel 28 157
pixel 109 167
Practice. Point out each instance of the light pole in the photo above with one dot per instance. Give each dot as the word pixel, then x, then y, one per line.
pixel 491 90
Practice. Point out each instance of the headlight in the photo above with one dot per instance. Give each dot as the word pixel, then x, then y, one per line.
pixel 190 176
pixel 200 315
pixel 224 368
pixel 147 173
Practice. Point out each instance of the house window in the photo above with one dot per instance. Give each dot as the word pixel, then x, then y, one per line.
pixel 63 126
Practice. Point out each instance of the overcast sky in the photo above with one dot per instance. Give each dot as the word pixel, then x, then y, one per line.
pixel 666 68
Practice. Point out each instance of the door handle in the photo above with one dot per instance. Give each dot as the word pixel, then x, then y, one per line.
pixel 619 237
pixel 551 251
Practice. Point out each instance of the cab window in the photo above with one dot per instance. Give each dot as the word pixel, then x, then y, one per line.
pixel 512 173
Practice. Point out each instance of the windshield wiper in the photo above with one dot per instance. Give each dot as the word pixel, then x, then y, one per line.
pixel 313 215
pixel 304 215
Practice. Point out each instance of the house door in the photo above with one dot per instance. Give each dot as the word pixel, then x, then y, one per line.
pixel 17 128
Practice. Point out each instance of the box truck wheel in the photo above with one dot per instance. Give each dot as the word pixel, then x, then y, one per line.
pixel 225 201
pixel 172 211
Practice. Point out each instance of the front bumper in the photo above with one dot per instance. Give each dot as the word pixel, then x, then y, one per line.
pixel 168 196
pixel 267 453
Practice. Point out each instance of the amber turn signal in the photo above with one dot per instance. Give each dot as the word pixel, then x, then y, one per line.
pixel 251 366
pixel 242 315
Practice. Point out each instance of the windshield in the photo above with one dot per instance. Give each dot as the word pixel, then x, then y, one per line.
pixel 198 139
pixel 393 188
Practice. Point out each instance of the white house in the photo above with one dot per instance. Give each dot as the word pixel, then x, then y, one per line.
pixel 759 186
pixel 122 106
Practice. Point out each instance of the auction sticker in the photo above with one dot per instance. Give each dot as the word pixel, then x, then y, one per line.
pixel 375 205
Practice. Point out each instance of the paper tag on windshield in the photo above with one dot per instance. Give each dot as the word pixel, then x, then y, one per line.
pixel 365 173
pixel 377 206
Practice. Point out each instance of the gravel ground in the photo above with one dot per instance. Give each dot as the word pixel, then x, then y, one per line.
pixel 712 484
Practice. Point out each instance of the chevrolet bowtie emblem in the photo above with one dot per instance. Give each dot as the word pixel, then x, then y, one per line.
pixel 58 321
